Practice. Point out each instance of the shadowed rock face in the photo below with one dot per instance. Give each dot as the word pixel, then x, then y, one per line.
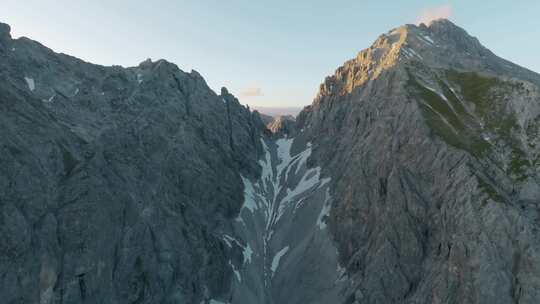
pixel 115 181
pixel 412 178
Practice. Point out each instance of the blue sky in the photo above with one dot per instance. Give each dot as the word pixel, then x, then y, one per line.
pixel 268 53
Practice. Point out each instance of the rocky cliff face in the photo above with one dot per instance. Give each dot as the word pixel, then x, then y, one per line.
pixel 116 183
pixel 432 145
pixel 412 178
pixel 282 126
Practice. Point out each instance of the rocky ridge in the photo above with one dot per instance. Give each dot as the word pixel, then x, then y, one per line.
pixel 430 140
pixel 116 182
pixel 282 126
pixel 412 178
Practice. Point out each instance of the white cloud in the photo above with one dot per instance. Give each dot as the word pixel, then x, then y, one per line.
pixel 429 14
pixel 251 92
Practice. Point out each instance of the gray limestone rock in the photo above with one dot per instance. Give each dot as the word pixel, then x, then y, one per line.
pixel 116 182
pixel 283 126
pixel 412 178
pixel 431 143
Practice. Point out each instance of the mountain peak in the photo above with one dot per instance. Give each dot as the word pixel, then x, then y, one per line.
pixel 439 22
pixel 5 31
pixel 282 125
pixel 369 63
pixel 441 44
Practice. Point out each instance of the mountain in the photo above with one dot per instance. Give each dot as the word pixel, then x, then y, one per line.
pixel 412 178
pixel 282 125
pixel 116 183
pixel 431 141
pixel 278 111
pixel 266 119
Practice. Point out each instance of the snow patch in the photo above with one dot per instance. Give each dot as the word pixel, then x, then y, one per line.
pixel 302 158
pixel 449 104
pixel 309 181
pixel 453 91
pixel 31 83
pixel 283 153
pixel 250 195
pixel 277 258
pixel 139 78
pixel 325 211
pixel 266 164
pixel 286 183
pixel 50 98
pixel 426 37
pixel 229 240
pixel 342 275
pixel 236 272
pixel 248 252
pixel 441 117
pixel 412 53
pixel 436 92
pixel 223 99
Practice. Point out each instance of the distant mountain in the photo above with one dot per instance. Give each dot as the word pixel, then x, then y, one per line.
pixel 266 119
pixel 278 111
pixel 279 125
pixel 414 177
pixel 283 125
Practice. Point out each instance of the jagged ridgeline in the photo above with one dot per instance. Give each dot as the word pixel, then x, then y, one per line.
pixel 412 178
pixel 116 184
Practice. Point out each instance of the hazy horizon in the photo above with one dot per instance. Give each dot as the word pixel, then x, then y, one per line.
pixel 277 111
pixel 268 56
